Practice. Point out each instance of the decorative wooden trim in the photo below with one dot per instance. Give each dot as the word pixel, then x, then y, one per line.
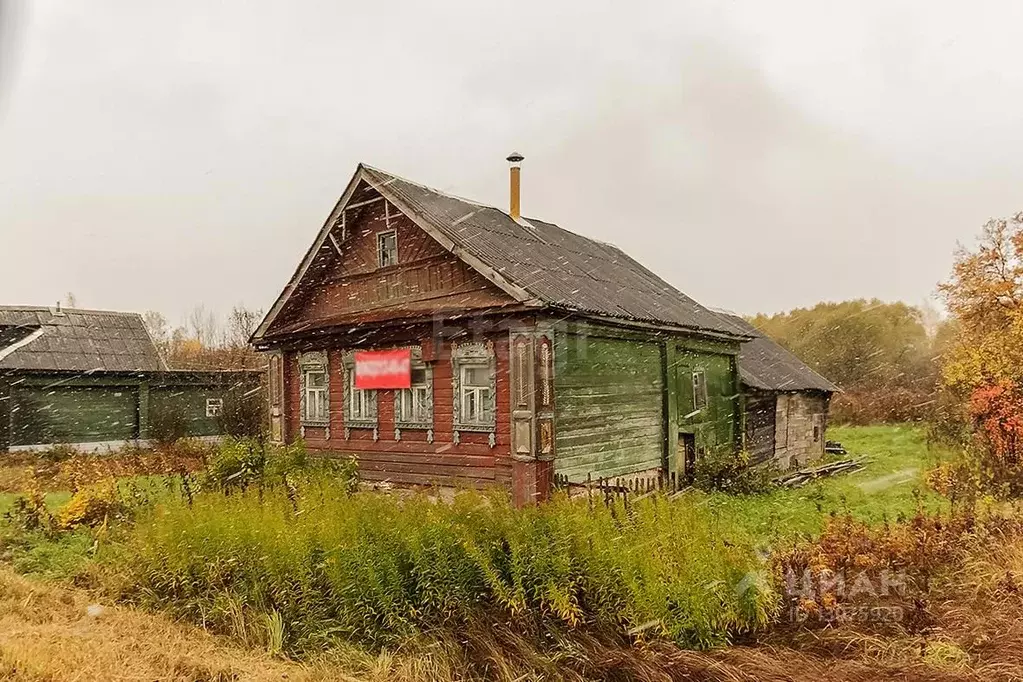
pixel 352 422
pixel 520 374
pixel 361 174
pixel 275 395
pixel 479 355
pixel 314 361
pixel 545 395
pixel 417 363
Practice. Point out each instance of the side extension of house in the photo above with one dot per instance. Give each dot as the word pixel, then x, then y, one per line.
pixel 785 401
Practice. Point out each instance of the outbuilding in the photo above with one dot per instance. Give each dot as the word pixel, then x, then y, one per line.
pixel 785 402
pixel 443 341
pixel 94 378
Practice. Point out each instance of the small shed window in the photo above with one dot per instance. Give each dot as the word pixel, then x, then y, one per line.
pixel 699 390
pixel 387 248
pixel 413 407
pixel 474 379
pixel 214 407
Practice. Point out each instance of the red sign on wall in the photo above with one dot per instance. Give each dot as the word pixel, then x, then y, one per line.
pixel 383 369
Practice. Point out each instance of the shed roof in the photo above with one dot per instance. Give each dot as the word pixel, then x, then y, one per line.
pixel 766 365
pixel 537 262
pixel 46 339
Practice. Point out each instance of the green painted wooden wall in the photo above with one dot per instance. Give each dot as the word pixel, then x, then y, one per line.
pixel 716 426
pixel 623 398
pixel 190 403
pixel 43 409
pixel 80 414
pixel 609 417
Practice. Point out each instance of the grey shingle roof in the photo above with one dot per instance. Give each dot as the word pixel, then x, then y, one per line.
pixel 75 340
pixel 562 269
pixel 766 365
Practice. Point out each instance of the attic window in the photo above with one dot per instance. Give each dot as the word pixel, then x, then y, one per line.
pixel 387 248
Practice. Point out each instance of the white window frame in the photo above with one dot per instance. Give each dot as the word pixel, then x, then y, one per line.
pixel 363 399
pixel 214 407
pixel 315 400
pixel 465 357
pixel 700 398
pixel 420 395
pixel 380 250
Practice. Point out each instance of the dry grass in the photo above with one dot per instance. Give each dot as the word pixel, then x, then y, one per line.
pixel 32 470
pixel 47 633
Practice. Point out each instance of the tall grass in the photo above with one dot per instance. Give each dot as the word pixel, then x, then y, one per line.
pixel 324 566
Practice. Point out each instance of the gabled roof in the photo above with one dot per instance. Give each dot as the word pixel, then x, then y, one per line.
pixel 537 263
pixel 766 365
pixel 74 340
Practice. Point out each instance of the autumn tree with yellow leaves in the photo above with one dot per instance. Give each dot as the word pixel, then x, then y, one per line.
pixel 983 366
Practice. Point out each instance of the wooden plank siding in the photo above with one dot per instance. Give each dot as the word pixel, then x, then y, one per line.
pixel 351 287
pixel 610 417
pixel 413 460
pixel 760 424
pixel 715 426
pixel 796 414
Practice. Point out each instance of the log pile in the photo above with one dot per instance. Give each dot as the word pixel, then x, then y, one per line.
pixel 803 476
pixel 833 447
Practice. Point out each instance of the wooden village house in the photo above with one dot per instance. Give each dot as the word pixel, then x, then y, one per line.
pixel 93 379
pixel 442 341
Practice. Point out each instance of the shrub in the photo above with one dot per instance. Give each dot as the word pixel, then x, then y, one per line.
pixel 28 512
pixel 733 473
pixel 168 425
pixel 243 415
pixel 91 506
pixel 60 452
pixel 852 562
pixel 238 463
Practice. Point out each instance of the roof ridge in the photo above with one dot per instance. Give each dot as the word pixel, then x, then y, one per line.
pixel 441 192
pixel 44 308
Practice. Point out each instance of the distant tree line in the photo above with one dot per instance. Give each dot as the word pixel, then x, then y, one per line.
pixel 886 357
pixel 206 341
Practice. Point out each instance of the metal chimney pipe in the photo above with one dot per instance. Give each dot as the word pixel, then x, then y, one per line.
pixel 515 159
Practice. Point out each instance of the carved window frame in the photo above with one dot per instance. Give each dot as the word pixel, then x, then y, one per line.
pixel 476 355
pixel 417 364
pixel 351 420
pixel 313 362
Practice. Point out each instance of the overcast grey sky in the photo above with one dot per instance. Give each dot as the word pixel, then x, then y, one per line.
pixel 758 155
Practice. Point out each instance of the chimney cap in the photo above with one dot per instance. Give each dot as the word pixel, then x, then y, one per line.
pixel 515 157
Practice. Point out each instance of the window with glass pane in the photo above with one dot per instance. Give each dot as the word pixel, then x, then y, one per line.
pixel 413 405
pixel 315 395
pixel 360 406
pixel 476 390
pixel 699 389
pixel 387 248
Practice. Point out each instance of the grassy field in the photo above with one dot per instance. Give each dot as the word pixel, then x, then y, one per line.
pixel 891 486
pixel 310 569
